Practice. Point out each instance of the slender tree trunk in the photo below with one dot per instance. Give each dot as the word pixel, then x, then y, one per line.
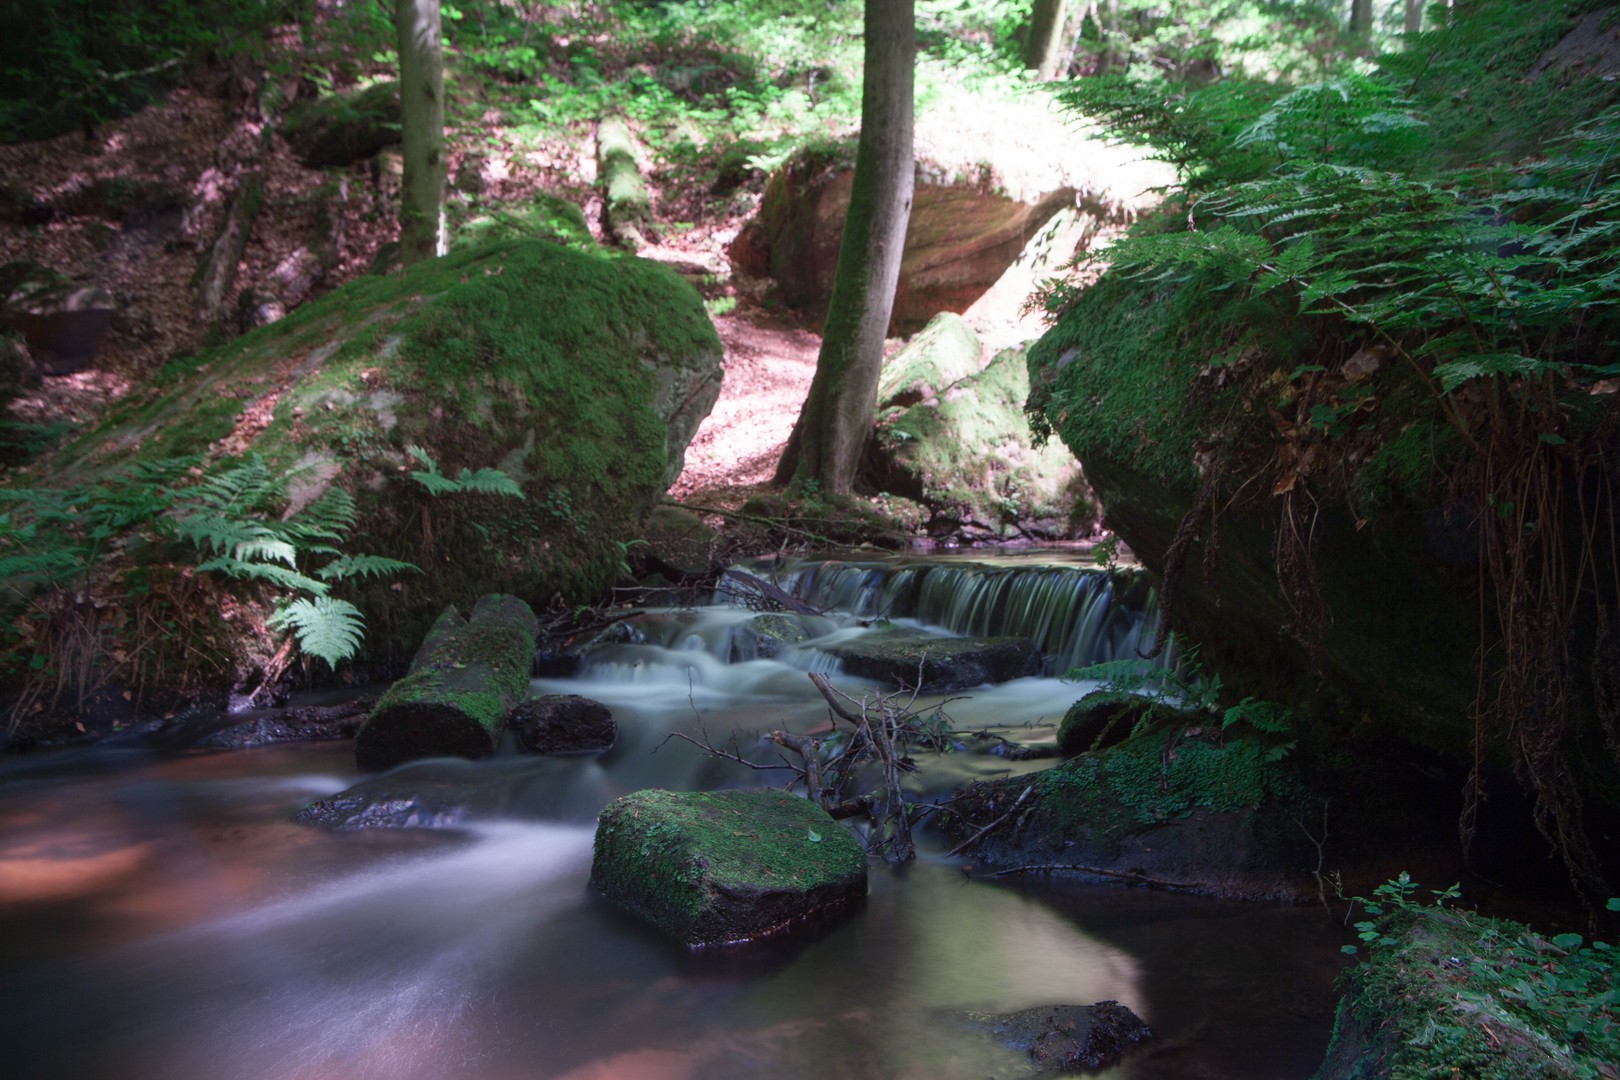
pixel 1414 16
pixel 421 92
pixel 1361 17
pixel 836 420
pixel 1048 43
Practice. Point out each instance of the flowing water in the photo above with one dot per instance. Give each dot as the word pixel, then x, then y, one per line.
pixel 161 918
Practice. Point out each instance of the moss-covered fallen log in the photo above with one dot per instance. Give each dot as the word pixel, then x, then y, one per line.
pixel 466 677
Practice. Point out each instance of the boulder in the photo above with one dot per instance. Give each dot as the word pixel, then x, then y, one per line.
pixel 711 868
pixel 679 545
pixel 938 356
pixel 63 323
pixel 1105 718
pixel 1067 1038
pixel 346 126
pixel 962 235
pixel 586 401
pixel 765 636
pixel 910 657
pixel 563 724
pixel 467 677
pixel 963 448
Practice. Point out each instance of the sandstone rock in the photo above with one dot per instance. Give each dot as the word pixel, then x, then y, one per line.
pixel 339 128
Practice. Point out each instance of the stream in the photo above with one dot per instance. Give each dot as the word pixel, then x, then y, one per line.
pixel 162 918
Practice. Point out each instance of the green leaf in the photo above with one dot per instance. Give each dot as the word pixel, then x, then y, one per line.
pixel 814 837
pixel 328 628
pixel 1568 941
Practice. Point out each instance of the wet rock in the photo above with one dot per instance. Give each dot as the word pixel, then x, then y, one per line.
pixel 564 724
pixel 1068 1038
pixel 910 657
pixel 679 545
pixel 437 795
pixel 343 127
pixel 722 867
pixel 765 636
pixel 326 723
pixel 1106 718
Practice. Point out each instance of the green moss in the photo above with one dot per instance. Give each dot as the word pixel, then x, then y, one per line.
pixel 1105 717
pixel 1449 994
pixel 1149 779
pixel 711 867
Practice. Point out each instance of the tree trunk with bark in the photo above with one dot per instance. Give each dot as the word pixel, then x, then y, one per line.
pixel 1361 17
pixel 1414 17
pixel 421 91
pixel 836 420
pixel 1047 48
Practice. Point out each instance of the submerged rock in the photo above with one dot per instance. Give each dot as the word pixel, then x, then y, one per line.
pixel 765 636
pixel 320 723
pixel 911 658
pixel 564 724
pixel 1068 1038
pixel 436 795
pixel 713 868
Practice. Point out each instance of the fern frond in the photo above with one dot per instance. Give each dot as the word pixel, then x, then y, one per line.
pixel 270 572
pixel 488 482
pixel 328 628
pixel 363 566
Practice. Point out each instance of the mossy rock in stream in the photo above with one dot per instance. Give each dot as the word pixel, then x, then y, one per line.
pixel 1104 718
pixel 932 663
pixel 581 375
pixel 713 868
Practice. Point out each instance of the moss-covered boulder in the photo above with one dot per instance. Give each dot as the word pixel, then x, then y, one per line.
pixel 467 677
pixel 1105 718
pixel 563 724
pixel 1445 993
pixel 932 663
pixel 581 376
pixel 963 447
pixel 346 126
pixel 941 354
pixel 1180 807
pixel 713 868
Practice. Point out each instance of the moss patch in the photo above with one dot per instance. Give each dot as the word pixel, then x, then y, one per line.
pixel 717 867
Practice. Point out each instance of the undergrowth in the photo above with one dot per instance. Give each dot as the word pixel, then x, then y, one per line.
pixel 1392 309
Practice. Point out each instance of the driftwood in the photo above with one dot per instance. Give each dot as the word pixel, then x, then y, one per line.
pixel 464 681
pixel 1133 876
pixel 771 594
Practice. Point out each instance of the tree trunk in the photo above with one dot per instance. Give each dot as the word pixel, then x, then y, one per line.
pixel 1414 16
pixel 1047 46
pixel 421 92
pixel 836 420
pixel 466 677
pixel 1361 17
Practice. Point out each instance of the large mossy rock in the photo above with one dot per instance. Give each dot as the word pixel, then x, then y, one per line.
pixel 582 376
pixel 467 677
pixel 346 126
pixel 1105 718
pixel 962 234
pixel 1126 379
pixel 954 438
pixel 932 663
pixel 712 868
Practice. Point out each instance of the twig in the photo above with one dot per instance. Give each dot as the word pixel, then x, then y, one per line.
pixel 970 841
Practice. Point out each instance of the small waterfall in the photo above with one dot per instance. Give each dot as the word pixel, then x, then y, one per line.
pixel 1075 617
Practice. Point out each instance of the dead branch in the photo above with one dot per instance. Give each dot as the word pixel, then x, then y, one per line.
pixel 1133 876
pixel 970 841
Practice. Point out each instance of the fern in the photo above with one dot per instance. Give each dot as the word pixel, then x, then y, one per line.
pixel 363 566
pixel 325 627
pixel 485 481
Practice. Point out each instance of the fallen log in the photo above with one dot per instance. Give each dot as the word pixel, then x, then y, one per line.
pixel 625 206
pixel 465 679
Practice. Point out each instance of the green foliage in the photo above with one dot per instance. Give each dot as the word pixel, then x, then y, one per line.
pixel 325 627
pixel 1486 997
pixel 485 481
